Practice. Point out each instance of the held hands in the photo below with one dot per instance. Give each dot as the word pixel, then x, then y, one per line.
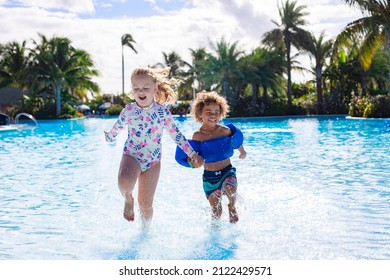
pixel 196 161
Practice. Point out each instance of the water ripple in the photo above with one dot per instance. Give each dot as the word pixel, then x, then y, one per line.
pixel 310 188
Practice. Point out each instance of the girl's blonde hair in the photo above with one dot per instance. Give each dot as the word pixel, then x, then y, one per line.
pixel 165 92
pixel 205 98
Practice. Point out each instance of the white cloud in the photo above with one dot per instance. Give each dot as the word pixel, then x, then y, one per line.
pixel 254 21
pixel 191 27
pixel 79 7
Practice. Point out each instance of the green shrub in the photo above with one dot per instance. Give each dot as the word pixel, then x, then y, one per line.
pixel 368 111
pixel 357 106
pixel 68 111
pixel 309 106
pixel 370 107
pixel 114 110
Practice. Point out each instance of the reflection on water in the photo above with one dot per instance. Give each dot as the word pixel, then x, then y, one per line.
pixel 309 189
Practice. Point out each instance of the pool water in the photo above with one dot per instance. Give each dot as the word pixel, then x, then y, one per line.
pixel 310 188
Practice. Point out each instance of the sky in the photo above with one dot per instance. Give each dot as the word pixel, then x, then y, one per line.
pixel 158 26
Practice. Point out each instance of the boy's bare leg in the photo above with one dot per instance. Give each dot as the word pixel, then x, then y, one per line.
pixel 231 193
pixel 215 203
pixel 233 215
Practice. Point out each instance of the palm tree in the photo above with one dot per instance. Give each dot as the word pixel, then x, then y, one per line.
pixel 378 69
pixel 373 28
pixel 63 67
pixel 344 74
pixel 319 49
pixel 218 70
pixel 14 65
pixel 79 80
pixel 197 55
pixel 191 83
pixel 174 61
pixel 289 33
pixel 263 68
pixel 127 40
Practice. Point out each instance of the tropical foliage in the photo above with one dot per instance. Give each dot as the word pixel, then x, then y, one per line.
pixel 128 41
pixel 289 33
pixel 52 70
pixel 62 67
pixel 351 72
pixel 15 66
pixel 319 50
pixel 372 30
pixel 370 106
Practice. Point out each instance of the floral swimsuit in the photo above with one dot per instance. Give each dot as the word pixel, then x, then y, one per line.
pixel 145 129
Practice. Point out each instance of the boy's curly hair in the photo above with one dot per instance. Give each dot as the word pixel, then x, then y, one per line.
pixel 205 98
pixel 165 92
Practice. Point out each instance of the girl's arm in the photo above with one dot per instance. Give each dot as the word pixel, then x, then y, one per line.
pixel 118 126
pixel 177 136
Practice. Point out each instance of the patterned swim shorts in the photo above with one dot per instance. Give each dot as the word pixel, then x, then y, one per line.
pixel 214 180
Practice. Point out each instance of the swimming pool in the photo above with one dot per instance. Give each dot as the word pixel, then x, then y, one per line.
pixel 310 188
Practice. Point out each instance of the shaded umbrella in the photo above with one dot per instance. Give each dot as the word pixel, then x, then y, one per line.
pixel 83 107
pixel 105 105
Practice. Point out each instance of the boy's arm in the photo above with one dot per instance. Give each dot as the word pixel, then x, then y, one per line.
pixel 242 152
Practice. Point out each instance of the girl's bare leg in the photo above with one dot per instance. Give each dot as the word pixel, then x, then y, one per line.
pixel 147 184
pixel 129 171
pixel 215 203
pixel 231 192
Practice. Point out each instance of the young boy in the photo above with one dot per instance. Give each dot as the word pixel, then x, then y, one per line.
pixel 215 144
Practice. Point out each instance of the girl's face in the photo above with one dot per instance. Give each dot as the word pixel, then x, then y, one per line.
pixel 211 114
pixel 144 89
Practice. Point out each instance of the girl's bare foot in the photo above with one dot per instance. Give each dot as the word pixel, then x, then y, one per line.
pixel 233 216
pixel 128 210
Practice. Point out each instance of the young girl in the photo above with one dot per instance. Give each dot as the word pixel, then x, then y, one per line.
pixel 215 143
pixel 146 118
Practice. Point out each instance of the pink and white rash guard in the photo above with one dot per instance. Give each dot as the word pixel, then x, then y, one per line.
pixel 145 129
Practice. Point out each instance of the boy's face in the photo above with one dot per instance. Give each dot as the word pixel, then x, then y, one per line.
pixel 211 114
pixel 144 89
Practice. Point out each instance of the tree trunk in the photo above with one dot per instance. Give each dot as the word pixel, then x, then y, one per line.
pixel 388 54
pixel 255 92
pixel 363 84
pixel 319 89
pixel 123 73
pixel 342 88
pixel 237 92
pixel 265 95
pixel 57 94
pixel 225 88
pixel 289 83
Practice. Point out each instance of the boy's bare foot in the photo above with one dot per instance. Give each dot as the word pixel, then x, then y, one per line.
pixel 233 216
pixel 128 210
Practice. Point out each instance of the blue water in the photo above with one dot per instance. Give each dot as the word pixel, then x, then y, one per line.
pixel 310 188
